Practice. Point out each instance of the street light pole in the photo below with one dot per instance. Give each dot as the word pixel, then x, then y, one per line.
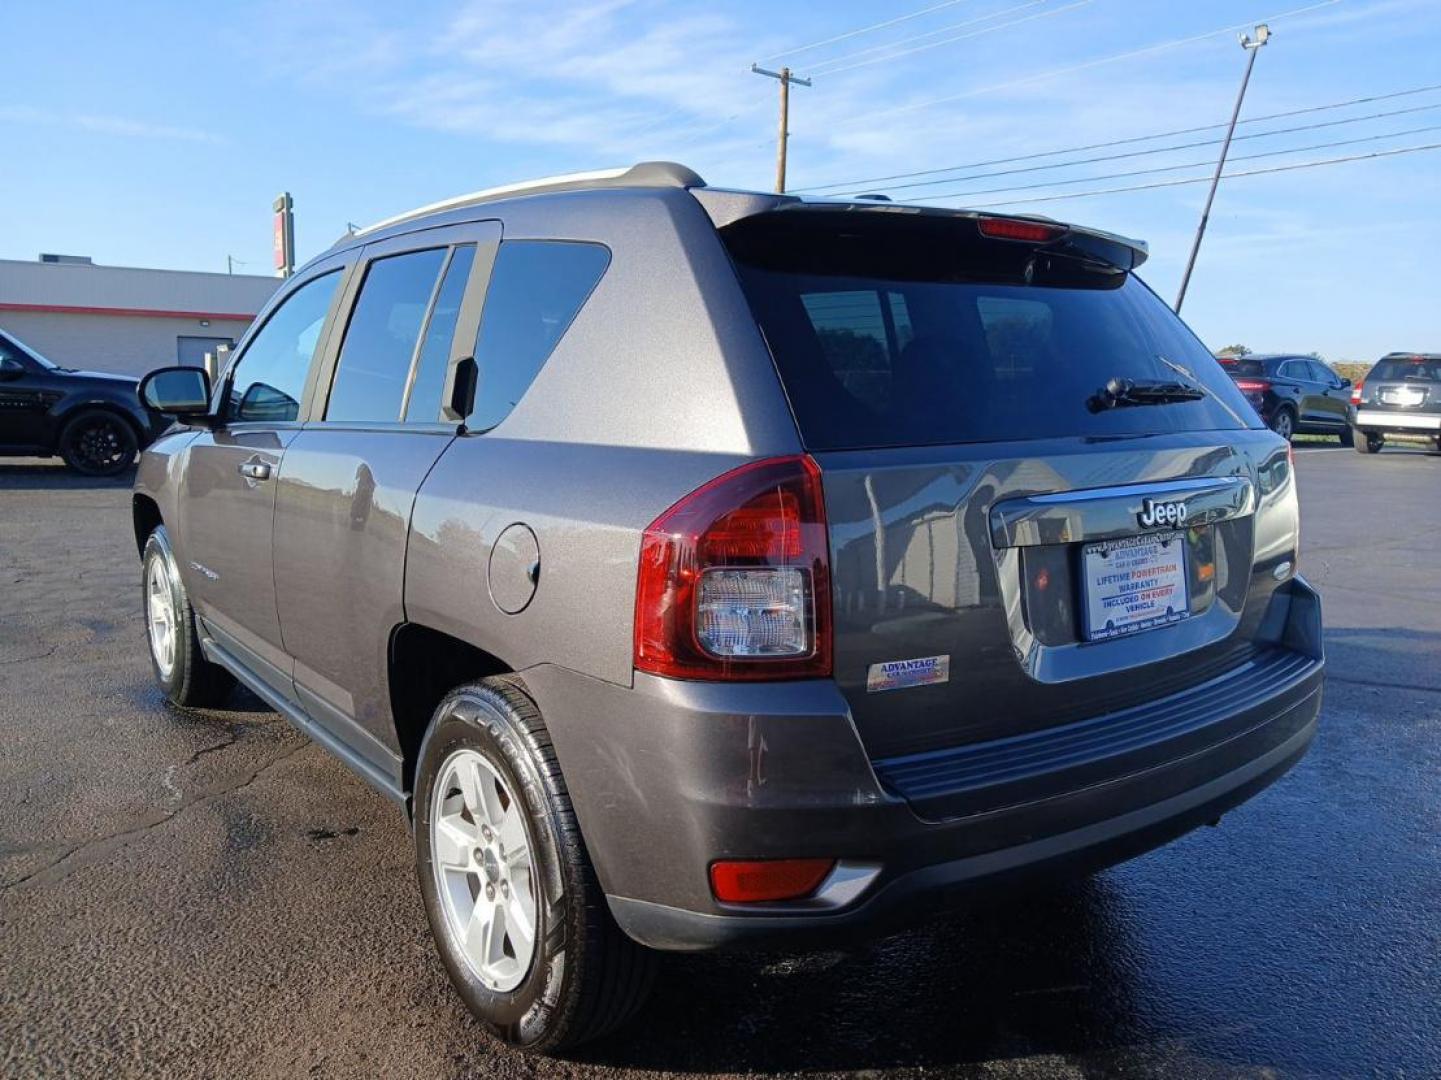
pixel 785 78
pixel 1252 47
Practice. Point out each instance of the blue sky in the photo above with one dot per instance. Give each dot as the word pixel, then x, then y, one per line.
pixel 157 134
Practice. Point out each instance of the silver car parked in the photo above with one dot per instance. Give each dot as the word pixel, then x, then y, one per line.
pixel 707 568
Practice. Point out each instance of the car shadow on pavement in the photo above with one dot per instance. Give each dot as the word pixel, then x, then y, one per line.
pixel 44 475
pixel 1047 973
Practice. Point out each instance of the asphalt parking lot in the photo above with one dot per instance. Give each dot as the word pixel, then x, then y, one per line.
pixel 211 895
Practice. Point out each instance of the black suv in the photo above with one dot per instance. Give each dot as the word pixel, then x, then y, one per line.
pixel 1401 395
pixel 1294 395
pixel 91 419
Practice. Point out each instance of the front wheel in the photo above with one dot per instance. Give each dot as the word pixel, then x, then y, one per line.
pixel 1283 423
pixel 97 442
pixel 518 916
pixel 180 667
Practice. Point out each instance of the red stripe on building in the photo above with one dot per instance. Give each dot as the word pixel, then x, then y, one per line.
pixel 158 313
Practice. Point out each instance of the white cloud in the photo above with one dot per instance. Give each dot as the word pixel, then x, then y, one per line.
pixel 106 124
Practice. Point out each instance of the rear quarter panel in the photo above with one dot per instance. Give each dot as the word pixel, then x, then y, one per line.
pixel 661 383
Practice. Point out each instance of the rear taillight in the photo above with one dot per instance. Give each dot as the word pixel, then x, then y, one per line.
pixel 1356 391
pixel 734 579
pixel 1252 386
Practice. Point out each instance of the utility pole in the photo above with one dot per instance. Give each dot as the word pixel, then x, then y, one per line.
pixel 1252 47
pixel 785 78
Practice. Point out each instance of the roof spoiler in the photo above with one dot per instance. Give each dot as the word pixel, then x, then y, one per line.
pixel 726 207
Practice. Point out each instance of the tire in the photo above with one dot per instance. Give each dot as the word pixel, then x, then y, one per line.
pixel 581 976
pixel 1348 437
pixel 188 679
pixel 1283 422
pixel 1368 444
pixel 98 442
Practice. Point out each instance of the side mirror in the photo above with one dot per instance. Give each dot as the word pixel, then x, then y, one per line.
pixel 10 369
pixel 181 392
pixel 1345 384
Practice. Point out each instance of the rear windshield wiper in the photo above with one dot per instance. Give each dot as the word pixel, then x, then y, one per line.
pixel 1122 393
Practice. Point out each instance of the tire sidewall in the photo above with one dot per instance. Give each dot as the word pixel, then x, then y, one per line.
pixel 479 719
pixel 68 433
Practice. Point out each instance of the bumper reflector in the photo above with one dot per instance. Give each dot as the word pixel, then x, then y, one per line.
pixel 749 882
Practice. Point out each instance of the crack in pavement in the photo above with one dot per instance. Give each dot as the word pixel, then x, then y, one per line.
pixel 101 846
pixel 38 656
pixel 1381 684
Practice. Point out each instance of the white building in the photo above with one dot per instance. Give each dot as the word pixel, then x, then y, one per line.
pixel 124 319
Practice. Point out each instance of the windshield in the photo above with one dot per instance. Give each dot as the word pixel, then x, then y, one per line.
pixel 911 334
pixel 29 352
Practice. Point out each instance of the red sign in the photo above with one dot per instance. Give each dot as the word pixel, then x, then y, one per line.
pixel 280 240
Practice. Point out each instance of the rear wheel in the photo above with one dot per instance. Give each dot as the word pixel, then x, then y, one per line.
pixel 1368 444
pixel 517 913
pixel 1283 422
pixel 1348 437
pixel 97 442
pixel 180 666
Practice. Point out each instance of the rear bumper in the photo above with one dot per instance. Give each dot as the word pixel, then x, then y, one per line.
pixel 668 776
pixel 1384 421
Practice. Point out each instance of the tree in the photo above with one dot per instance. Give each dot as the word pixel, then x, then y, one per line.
pixel 1234 350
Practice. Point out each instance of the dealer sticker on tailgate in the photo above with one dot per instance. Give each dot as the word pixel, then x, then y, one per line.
pixel 894 674
pixel 1134 584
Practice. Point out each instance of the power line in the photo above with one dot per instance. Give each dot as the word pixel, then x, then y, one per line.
pixel 1040 76
pixel 863 30
pixel 1206 179
pixel 1158 150
pixel 964 37
pixel 929 34
pixel 1119 142
pixel 1186 165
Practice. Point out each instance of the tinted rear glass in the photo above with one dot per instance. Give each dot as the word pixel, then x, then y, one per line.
pixel 1398 370
pixel 890 331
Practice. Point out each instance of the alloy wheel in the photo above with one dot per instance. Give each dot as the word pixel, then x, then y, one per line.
pixel 484 870
pixel 160 615
pixel 100 445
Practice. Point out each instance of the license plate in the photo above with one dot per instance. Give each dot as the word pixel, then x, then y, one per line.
pixel 1134 584
pixel 1402 397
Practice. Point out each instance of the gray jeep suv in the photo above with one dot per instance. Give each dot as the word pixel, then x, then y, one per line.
pixel 707 568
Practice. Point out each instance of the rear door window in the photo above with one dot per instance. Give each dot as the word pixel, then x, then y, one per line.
pixel 1000 342
pixel 423 402
pixel 536 289
pixel 380 342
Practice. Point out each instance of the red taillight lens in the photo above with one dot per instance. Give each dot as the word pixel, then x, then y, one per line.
pixel 734 579
pixel 1036 232
pixel 1356 391
pixel 735 882
pixel 1252 386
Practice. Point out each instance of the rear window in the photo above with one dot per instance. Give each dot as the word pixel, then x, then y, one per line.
pixel 1420 369
pixel 890 331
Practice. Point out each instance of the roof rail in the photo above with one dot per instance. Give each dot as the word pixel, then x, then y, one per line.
pixel 645 174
